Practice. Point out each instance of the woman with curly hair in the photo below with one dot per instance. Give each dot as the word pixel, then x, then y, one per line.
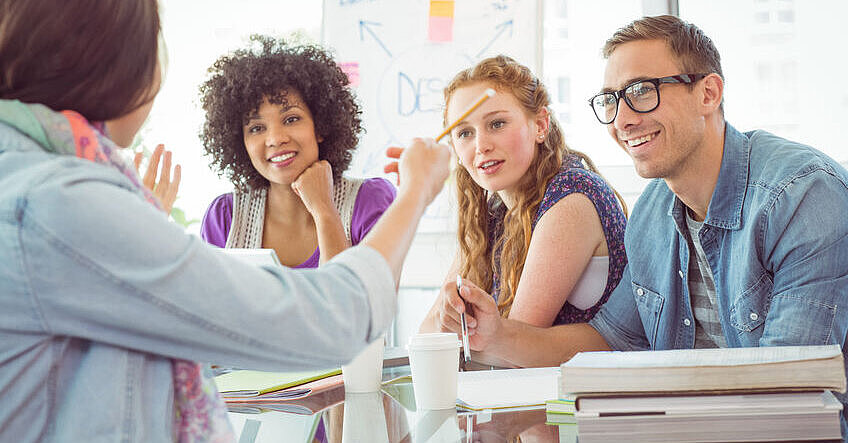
pixel 282 125
pixel 539 228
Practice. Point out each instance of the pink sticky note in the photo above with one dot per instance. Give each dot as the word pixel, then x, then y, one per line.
pixel 351 69
pixel 440 29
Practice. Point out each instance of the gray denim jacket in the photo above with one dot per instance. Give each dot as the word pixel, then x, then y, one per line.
pixel 776 238
pixel 98 291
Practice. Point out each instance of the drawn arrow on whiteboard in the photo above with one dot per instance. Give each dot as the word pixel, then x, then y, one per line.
pixel 366 26
pixel 501 28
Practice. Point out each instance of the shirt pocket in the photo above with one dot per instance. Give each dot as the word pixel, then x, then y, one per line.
pixel 649 304
pixel 801 320
pixel 749 310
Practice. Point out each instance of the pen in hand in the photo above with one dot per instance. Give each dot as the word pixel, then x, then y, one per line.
pixel 466 349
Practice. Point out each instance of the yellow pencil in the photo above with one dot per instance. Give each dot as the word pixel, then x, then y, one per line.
pixel 486 94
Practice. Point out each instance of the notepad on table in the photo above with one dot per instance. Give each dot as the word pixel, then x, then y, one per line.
pixel 527 388
pixel 265 385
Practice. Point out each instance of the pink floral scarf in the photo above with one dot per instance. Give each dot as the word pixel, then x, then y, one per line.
pixel 200 413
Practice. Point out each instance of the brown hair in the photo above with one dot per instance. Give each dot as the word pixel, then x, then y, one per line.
pixel 695 51
pixel 96 57
pixel 477 261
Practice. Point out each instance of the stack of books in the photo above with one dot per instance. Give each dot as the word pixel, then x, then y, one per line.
pixel 706 395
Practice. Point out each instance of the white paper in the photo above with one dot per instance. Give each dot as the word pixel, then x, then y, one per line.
pixel 507 388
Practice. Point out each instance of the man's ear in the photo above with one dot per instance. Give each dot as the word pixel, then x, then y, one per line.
pixel 713 88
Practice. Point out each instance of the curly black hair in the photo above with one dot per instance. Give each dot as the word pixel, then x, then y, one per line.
pixel 238 84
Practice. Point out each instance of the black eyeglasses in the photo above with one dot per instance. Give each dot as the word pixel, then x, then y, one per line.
pixel 642 96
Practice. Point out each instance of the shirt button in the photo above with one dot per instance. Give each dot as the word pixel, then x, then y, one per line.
pixel 686 322
pixel 680 273
pixel 640 292
pixel 754 316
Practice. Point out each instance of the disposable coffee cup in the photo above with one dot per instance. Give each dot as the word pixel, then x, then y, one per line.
pixel 434 360
pixel 365 372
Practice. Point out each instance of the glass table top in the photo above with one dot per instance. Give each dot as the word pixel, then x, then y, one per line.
pixel 387 416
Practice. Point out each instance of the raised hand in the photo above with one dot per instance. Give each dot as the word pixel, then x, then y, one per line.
pixel 167 186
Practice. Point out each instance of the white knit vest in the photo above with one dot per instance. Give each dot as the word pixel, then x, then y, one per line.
pixel 249 212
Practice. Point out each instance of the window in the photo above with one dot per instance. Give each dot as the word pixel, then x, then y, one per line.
pixel 574 71
pixel 782 77
pixel 786 16
pixel 564 90
pixel 562 8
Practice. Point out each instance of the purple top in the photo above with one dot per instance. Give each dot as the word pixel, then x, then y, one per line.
pixel 375 195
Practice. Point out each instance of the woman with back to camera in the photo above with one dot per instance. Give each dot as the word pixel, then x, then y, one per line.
pixel 282 124
pixel 105 306
pixel 539 228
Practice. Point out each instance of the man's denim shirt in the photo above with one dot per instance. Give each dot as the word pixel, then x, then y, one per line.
pixel 775 236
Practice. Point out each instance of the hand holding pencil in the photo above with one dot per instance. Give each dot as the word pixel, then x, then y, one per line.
pixel 424 166
pixel 482 317
pixel 396 152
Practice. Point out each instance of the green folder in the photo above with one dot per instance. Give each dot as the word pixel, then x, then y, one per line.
pixel 245 383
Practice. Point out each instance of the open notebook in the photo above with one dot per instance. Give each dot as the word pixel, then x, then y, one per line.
pixel 257 385
pixel 527 388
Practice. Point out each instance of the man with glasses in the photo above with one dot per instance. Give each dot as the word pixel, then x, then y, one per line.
pixel 741 239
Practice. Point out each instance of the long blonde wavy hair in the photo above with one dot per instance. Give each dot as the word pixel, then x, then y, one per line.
pixel 477 256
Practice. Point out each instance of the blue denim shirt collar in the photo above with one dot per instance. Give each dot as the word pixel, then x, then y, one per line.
pixel 725 210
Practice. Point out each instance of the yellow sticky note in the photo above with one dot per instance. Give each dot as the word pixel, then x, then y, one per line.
pixel 441 8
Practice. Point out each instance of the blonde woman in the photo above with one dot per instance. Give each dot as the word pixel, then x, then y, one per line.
pixel 539 228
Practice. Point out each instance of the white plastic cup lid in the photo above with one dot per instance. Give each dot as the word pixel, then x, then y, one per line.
pixel 434 341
